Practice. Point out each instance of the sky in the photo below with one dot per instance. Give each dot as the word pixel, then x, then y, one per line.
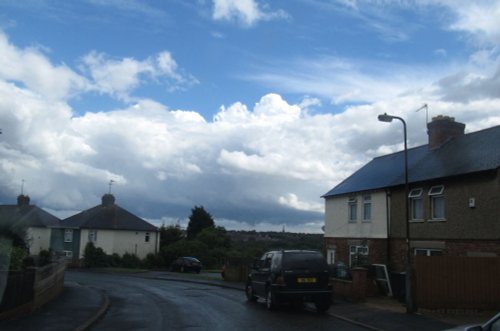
pixel 252 109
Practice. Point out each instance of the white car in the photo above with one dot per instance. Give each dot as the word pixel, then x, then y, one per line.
pixel 492 325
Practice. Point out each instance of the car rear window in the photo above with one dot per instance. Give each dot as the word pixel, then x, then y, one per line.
pixel 303 260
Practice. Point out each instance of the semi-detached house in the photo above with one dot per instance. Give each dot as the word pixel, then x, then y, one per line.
pixel 108 226
pixel 454 201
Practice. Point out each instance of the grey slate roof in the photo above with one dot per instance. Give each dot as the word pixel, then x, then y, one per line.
pixel 107 217
pixel 28 216
pixel 473 152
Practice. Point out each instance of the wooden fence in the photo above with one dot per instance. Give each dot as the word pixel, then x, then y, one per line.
pixel 28 290
pixel 456 282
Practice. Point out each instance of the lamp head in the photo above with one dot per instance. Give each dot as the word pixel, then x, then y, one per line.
pixel 385 118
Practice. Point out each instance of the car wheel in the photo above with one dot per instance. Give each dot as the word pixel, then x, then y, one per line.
pixel 182 268
pixel 249 292
pixel 322 306
pixel 270 300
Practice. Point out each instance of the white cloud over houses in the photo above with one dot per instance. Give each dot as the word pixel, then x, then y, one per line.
pixel 252 166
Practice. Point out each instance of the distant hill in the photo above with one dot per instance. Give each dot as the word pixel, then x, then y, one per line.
pixel 276 240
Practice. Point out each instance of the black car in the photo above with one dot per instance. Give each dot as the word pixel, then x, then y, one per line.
pixel 293 276
pixel 185 264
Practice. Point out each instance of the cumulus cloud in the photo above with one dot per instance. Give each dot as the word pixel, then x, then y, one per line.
pixel 245 12
pixel 118 77
pixel 29 67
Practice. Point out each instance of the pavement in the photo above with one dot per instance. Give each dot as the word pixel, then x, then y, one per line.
pixel 79 307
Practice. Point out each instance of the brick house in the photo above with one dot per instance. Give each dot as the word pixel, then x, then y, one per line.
pixel 454 201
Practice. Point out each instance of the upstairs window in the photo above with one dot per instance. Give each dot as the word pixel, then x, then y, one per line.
pixel 146 239
pixel 353 209
pixel 436 195
pixel 416 205
pixel 68 235
pixel 367 207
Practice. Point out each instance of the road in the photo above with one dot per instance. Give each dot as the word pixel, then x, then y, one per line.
pixel 152 304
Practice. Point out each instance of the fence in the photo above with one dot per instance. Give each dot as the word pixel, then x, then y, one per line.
pixel 18 289
pixel 456 282
pixel 28 290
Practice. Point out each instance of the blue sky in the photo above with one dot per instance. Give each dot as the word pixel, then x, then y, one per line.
pixel 251 108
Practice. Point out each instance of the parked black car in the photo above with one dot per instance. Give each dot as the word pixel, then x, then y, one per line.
pixel 293 276
pixel 185 264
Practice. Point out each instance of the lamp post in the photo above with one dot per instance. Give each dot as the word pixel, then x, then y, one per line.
pixel 409 273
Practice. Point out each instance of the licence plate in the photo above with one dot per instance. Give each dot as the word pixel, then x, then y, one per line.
pixel 306 280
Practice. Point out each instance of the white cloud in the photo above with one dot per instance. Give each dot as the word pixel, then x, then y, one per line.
pixel 246 12
pixel 480 18
pixel 119 77
pixel 292 200
pixel 29 67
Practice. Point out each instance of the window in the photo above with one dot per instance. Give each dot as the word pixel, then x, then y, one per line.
pixel 437 202
pixel 428 252
pixel 367 207
pixel 416 205
pixel 68 235
pixel 146 239
pixel 358 256
pixel 68 254
pixel 353 207
pixel 93 235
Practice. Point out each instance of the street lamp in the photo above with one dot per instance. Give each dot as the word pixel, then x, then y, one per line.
pixel 408 279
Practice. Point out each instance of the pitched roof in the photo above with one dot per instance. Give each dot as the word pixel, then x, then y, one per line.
pixel 28 215
pixel 107 217
pixel 469 153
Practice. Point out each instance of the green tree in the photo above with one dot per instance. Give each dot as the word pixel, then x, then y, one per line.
pixel 170 234
pixel 200 219
pixel 215 237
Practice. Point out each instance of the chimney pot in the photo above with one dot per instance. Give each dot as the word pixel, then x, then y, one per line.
pixel 442 129
pixel 23 200
pixel 108 199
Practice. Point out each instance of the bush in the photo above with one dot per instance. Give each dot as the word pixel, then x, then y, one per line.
pixel 153 261
pixel 17 256
pixel 131 261
pixel 94 256
pixel 44 257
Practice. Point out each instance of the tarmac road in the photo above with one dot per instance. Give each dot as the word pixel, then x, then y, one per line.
pixel 153 304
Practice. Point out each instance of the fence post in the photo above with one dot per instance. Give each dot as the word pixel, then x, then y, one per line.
pixel 359 276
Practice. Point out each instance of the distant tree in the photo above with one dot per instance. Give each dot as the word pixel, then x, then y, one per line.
pixel 200 219
pixel 215 237
pixel 170 234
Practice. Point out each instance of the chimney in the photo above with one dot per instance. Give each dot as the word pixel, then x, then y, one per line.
pixel 23 200
pixel 108 199
pixel 443 128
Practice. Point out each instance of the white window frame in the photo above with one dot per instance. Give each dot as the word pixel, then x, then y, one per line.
pixel 414 196
pixel 93 236
pixel 68 235
pixel 352 202
pixel 357 250
pixel 68 254
pixel 435 193
pixel 147 237
pixel 367 202
pixel 428 251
